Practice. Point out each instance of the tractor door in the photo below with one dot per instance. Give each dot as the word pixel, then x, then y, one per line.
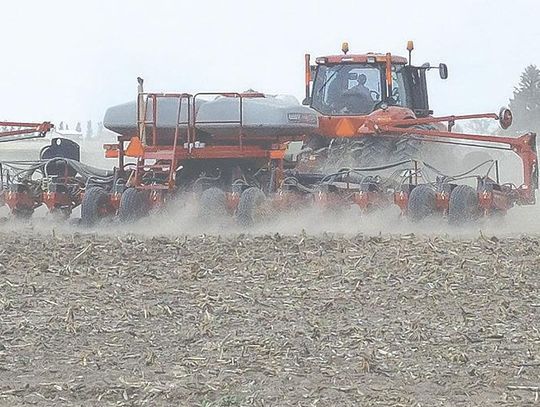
pixel 416 78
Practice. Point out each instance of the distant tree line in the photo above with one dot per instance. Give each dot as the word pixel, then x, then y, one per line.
pixel 88 131
pixel 525 104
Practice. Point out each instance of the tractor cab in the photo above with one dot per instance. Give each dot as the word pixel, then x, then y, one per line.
pixel 357 85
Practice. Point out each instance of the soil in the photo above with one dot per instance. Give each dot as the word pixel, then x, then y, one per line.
pixel 269 320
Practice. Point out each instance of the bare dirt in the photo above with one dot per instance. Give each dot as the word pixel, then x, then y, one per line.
pixel 269 320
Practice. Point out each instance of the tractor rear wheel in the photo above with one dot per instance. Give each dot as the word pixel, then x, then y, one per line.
pixel 407 149
pixel 94 206
pixel 133 206
pixel 422 203
pixel 249 206
pixel 371 151
pixel 364 152
pixel 212 205
pixel 463 205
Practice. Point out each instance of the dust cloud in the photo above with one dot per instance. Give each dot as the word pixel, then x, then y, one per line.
pixel 181 218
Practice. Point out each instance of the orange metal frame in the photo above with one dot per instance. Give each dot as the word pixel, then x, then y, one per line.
pixel 21 200
pixel 25 130
pixel 183 147
pixel 386 126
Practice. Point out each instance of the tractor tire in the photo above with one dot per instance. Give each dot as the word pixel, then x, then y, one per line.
pixel 133 206
pixel 365 152
pixel 335 156
pixel 407 149
pixel 422 204
pixel 371 152
pixel 248 210
pixel 212 205
pixel 463 205
pixel 94 205
pixel 410 148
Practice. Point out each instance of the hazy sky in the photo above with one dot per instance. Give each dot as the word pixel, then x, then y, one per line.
pixel 70 60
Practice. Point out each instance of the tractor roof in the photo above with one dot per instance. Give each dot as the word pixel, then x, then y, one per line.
pixel 370 57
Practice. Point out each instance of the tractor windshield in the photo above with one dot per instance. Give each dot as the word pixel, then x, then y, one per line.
pixel 354 89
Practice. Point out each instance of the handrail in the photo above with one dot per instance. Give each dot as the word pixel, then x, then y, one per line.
pixel 153 120
pixel 143 121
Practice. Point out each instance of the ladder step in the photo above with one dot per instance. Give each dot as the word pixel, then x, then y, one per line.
pixel 158 167
pixel 153 187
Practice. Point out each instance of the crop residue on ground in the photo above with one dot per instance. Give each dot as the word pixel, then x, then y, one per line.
pixel 269 320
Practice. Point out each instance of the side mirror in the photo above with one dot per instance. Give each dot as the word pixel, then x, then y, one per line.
pixel 307 101
pixel 443 71
pixel 505 118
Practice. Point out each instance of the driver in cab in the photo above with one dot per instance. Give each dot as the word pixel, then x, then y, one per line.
pixel 358 99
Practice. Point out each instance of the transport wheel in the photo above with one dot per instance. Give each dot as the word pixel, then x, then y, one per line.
pixel 133 206
pixel 249 206
pixel 212 205
pixel 463 206
pixel 422 203
pixel 94 206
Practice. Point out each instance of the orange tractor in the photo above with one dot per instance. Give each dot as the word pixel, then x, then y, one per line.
pixel 368 135
pixel 374 113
